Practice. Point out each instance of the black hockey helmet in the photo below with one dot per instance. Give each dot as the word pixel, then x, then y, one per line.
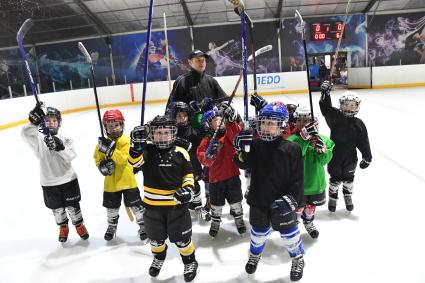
pixel 52 111
pixel 163 131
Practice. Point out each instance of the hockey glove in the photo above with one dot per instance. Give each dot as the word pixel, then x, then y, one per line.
pixel 309 130
pixel 229 113
pixel 139 134
pixel 364 163
pixel 36 115
pixel 106 167
pixel 106 146
pixel 285 205
pixel 258 102
pixel 325 88
pixel 318 144
pixel 243 139
pixel 194 106
pixel 54 143
pixel 183 195
pixel 183 143
pixel 212 149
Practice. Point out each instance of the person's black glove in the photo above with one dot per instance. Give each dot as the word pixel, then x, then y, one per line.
pixel 309 130
pixel 106 167
pixel 36 115
pixel 325 88
pixel 54 143
pixel 258 102
pixel 183 195
pixel 106 146
pixel 364 163
pixel 229 113
pixel 243 139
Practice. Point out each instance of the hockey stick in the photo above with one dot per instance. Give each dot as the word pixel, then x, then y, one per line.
pixel 145 71
pixel 302 23
pixel 90 62
pixel 23 30
pixel 167 54
pixel 340 39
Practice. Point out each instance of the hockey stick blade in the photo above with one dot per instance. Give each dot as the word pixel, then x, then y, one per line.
pixel 85 52
pixel 238 4
pixel 260 51
pixel 26 26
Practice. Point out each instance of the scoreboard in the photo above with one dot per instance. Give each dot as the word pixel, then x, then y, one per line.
pixel 326 31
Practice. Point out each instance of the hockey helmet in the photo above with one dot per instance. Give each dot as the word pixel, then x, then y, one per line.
pixel 113 123
pixel 272 120
pixel 163 131
pixel 349 103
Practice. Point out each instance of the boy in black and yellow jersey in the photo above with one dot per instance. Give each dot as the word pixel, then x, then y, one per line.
pixel 111 156
pixel 168 189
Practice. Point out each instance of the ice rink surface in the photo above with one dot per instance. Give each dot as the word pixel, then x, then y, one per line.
pixel 382 240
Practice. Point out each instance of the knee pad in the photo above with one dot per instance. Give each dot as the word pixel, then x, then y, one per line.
pixel 236 208
pixel 112 214
pixel 258 239
pixel 186 248
pixel 292 241
pixel 347 187
pixel 138 211
pixel 309 212
pixel 75 214
pixel 159 249
pixel 216 211
pixel 334 186
pixel 60 216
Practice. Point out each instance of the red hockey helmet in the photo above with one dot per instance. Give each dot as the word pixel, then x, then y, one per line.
pixel 109 117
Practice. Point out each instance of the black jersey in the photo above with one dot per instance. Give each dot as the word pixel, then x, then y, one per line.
pixel 194 137
pixel 277 169
pixel 164 172
pixel 348 133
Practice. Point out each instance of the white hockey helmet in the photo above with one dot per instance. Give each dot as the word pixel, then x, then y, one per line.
pixel 349 103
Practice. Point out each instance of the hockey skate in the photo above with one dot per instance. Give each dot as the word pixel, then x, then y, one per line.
pixel 297 268
pixel 82 231
pixel 348 202
pixel 190 271
pixel 251 265
pixel 110 232
pixel 332 204
pixel 63 233
pixel 240 225
pixel 311 229
pixel 155 267
pixel 203 214
pixel 142 233
pixel 215 226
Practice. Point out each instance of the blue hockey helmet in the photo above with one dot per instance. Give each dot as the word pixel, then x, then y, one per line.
pixel 272 120
pixel 207 119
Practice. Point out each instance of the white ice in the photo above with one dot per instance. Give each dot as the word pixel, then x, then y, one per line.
pixel 380 241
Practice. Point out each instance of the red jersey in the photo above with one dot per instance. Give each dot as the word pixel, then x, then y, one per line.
pixel 221 167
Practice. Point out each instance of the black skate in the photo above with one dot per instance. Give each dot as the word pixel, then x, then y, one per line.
pixel 203 214
pixel 215 225
pixel 297 268
pixel 332 204
pixel 190 271
pixel 348 202
pixel 311 229
pixel 251 265
pixel 155 267
pixel 110 232
pixel 142 233
pixel 240 225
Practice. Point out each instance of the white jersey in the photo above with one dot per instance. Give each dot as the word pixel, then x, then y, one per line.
pixel 55 166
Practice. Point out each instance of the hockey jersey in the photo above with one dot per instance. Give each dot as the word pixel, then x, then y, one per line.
pixel 164 172
pixel 314 162
pixel 55 166
pixel 123 177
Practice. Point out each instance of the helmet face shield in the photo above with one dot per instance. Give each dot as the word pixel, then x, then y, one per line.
pixel 52 123
pixel 163 136
pixel 349 104
pixel 270 128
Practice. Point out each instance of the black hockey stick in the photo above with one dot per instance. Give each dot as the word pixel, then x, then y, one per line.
pixel 90 62
pixel 302 23
pixel 23 30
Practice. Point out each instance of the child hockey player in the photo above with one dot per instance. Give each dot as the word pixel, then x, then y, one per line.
pixel 168 189
pixel 276 186
pixel 224 182
pixel 317 152
pixel 348 132
pixel 111 156
pixel 58 179
pixel 189 138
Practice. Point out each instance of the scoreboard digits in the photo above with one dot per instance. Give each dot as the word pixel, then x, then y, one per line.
pixel 326 31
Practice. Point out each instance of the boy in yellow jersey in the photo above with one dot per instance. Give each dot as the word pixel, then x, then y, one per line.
pixel 111 156
pixel 168 189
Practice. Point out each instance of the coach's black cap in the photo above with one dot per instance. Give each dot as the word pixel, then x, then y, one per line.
pixel 198 53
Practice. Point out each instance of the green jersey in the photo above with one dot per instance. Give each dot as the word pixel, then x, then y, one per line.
pixel 314 162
